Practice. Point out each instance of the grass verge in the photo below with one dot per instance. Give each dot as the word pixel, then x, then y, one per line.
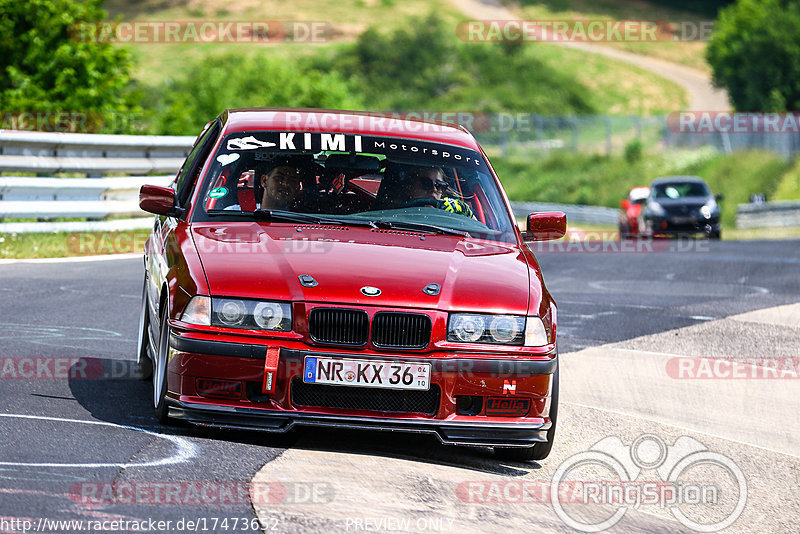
pixel 69 244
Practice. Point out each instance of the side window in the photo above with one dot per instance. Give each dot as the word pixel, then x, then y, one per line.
pixel 187 178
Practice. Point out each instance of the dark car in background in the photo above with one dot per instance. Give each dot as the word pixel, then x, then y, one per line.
pixel 682 205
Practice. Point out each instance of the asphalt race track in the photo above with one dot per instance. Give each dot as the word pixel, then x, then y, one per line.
pixel 78 440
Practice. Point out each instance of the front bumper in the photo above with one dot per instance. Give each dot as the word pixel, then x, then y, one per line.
pixel 449 433
pixel 682 225
pixel 454 374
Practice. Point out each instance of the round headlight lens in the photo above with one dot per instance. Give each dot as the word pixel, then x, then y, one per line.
pixel 268 315
pixel 504 329
pixel 232 312
pixel 468 328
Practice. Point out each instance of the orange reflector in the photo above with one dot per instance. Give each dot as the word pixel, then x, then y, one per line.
pixel 271 369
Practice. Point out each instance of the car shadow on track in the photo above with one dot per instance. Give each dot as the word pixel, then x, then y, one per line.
pixel 112 391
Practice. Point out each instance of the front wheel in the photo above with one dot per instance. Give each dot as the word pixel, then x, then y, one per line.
pixel 160 370
pixel 538 451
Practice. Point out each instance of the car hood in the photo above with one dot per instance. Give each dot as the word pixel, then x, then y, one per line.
pixel 261 260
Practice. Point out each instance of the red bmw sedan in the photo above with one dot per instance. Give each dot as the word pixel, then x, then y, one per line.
pixel 343 269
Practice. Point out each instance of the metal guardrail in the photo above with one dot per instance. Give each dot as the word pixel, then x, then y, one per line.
pixel 575 213
pixel 774 214
pixel 93 197
pixel 93 154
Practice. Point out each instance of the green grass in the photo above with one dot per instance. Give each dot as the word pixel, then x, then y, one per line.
pixel 760 234
pixel 545 78
pixel 616 88
pixel 789 186
pixel 67 244
pixel 348 18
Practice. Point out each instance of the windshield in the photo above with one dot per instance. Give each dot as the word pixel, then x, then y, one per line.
pixel 675 190
pixel 354 180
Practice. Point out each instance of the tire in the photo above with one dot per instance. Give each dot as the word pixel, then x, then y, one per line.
pixel 144 365
pixel 541 450
pixel 160 370
pixel 715 235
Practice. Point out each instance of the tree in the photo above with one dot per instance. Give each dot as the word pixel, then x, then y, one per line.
pixel 182 105
pixel 45 66
pixel 755 54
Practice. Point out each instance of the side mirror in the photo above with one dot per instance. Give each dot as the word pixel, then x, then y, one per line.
pixel 546 225
pixel 624 203
pixel 156 199
pixel 719 196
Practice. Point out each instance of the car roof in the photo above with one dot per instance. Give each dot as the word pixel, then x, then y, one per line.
pixel 638 193
pixel 355 122
pixel 673 179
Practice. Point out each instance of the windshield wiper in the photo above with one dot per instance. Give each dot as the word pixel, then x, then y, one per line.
pixel 422 227
pixel 291 216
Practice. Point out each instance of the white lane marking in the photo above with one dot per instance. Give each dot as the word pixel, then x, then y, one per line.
pixel 186 450
pixel 75 259
pixel 679 427
pixel 702 318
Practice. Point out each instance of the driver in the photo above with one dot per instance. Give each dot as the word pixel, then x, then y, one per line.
pixel 428 186
pixel 427 182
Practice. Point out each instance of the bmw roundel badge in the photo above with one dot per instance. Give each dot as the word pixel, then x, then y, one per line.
pixel 370 291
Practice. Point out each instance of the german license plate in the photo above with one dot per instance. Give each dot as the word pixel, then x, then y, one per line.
pixel 367 373
pixel 684 220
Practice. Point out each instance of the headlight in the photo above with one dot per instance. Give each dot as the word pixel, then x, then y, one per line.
pixel 251 314
pixel 230 312
pixel 268 315
pixel 466 328
pixel 710 209
pixel 198 311
pixel 496 329
pixel 656 208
